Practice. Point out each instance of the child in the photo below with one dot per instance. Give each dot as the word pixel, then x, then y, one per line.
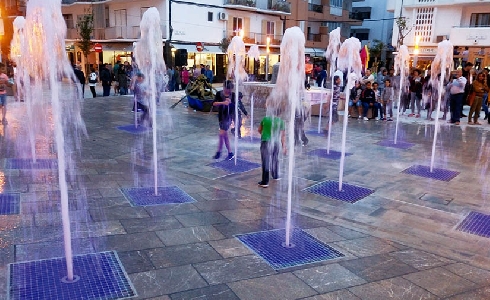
pixel 4 81
pixel 226 113
pixel 354 99
pixel 141 97
pixel 271 128
pixel 335 102
pixel 387 99
pixel 378 107
pixel 368 99
pixel 92 82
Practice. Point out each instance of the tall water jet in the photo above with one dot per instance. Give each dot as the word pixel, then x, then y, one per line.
pixel 331 54
pixel 253 53
pixel 149 57
pixel 350 60
pixel 442 62
pixel 401 68
pixel 287 95
pixel 236 62
pixel 43 59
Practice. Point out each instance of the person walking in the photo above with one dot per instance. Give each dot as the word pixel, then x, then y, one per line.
pixel 106 79
pixel 92 82
pixel 226 113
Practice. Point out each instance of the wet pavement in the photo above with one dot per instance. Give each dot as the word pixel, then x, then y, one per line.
pixel 402 241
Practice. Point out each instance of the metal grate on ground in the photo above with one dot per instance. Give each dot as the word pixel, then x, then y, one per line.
pixel 27 163
pixel 9 204
pixel 476 223
pixel 323 154
pixel 240 167
pixel 145 196
pixel 424 171
pixel 99 276
pixel 349 193
pixel 133 129
pixel 306 249
pixel 399 144
pixel 323 133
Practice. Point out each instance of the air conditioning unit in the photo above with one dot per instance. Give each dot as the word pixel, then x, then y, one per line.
pixel 222 16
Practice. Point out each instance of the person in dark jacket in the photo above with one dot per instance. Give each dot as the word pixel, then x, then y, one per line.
pixel 106 79
pixel 226 113
pixel 81 78
pixel 368 99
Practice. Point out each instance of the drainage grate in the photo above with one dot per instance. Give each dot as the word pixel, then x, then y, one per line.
pixel 100 276
pixel 132 129
pixel 146 196
pixel 399 144
pixel 349 193
pixel 323 153
pixel 9 204
pixel 323 133
pixel 240 167
pixel 476 223
pixel 424 171
pixel 306 250
pixel 27 163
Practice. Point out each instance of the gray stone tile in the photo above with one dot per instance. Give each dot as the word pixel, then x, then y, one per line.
pixel 346 233
pixel 440 282
pixel 202 218
pixel 419 259
pixel 214 292
pixel 166 281
pixel 35 251
pixel 7 255
pixel 218 205
pixel 150 224
pixel 231 229
pixel 245 214
pixel 324 235
pixel 471 273
pixel 337 295
pixel 119 242
pixel 377 267
pixel 233 269
pixel 171 209
pixel 366 246
pixel 281 287
pixel 329 278
pixel 182 255
pixel 480 294
pixel 135 261
pixel 395 288
pixel 117 213
pixel 189 235
pixel 230 247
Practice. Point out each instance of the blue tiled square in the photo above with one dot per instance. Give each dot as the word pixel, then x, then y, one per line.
pixel 349 193
pixel 476 223
pixel 27 163
pixel 424 171
pixel 323 153
pixel 101 276
pixel 250 139
pixel 399 144
pixel 133 129
pixel 145 196
pixel 9 204
pixel 314 132
pixel 240 167
pixel 269 246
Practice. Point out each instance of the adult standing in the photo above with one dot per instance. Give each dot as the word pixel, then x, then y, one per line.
pixel 479 89
pixel 416 84
pixel 81 78
pixel 209 74
pixel 106 79
pixel 177 79
pixel 368 77
pixel 457 94
pixel 466 55
pixel 122 78
pixel 184 77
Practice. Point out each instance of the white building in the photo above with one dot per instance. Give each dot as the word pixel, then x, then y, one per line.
pixel 466 23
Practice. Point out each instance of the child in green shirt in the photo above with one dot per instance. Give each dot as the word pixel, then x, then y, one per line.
pixel 271 128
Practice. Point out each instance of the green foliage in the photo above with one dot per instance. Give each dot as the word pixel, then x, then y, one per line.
pixel 223 45
pixel 403 29
pixel 85 28
pixel 376 49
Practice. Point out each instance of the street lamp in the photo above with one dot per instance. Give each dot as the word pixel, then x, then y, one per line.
pixel 267 60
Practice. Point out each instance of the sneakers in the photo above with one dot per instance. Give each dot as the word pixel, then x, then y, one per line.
pixel 411 115
pixel 218 154
pixel 277 178
pixel 230 156
pixel 390 119
pixel 366 119
pixel 417 116
pixel 359 117
pixel 263 184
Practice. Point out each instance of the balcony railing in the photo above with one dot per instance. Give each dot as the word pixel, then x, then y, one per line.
pixel 314 37
pixel 279 5
pixel 315 7
pixel 112 33
pixel 249 3
pixel 258 38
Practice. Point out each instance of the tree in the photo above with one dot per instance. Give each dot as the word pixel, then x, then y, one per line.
pixel 375 51
pixel 223 45
pixel 403 30
pixel 85 26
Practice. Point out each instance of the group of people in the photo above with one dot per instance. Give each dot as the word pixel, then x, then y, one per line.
pixel 179 77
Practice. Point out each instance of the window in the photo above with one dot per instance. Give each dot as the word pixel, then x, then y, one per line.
pixel 331 25
pixel 106 17
pixel 120 17
pixel 362 36
pixel 336 3
pixel 237 25
pixel 270 29
pixel 480 20
pixel 423 23
pixel 210 16
pixel 142 12
pixel 69 21
pixel 336 7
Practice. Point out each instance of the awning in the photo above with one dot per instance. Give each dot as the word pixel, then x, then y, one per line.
pixel 314 51
pixel 126 47
pixel 192 48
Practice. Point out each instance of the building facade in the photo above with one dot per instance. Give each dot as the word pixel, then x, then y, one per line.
pixel 465 23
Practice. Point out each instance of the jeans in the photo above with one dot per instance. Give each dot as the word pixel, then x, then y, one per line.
pixel 415 102
pixel 269 153
pixel 107 90
pixel 365 108
pixel 484 104
pixel 455 106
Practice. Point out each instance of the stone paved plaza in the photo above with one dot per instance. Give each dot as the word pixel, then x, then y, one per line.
pixel 400 242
